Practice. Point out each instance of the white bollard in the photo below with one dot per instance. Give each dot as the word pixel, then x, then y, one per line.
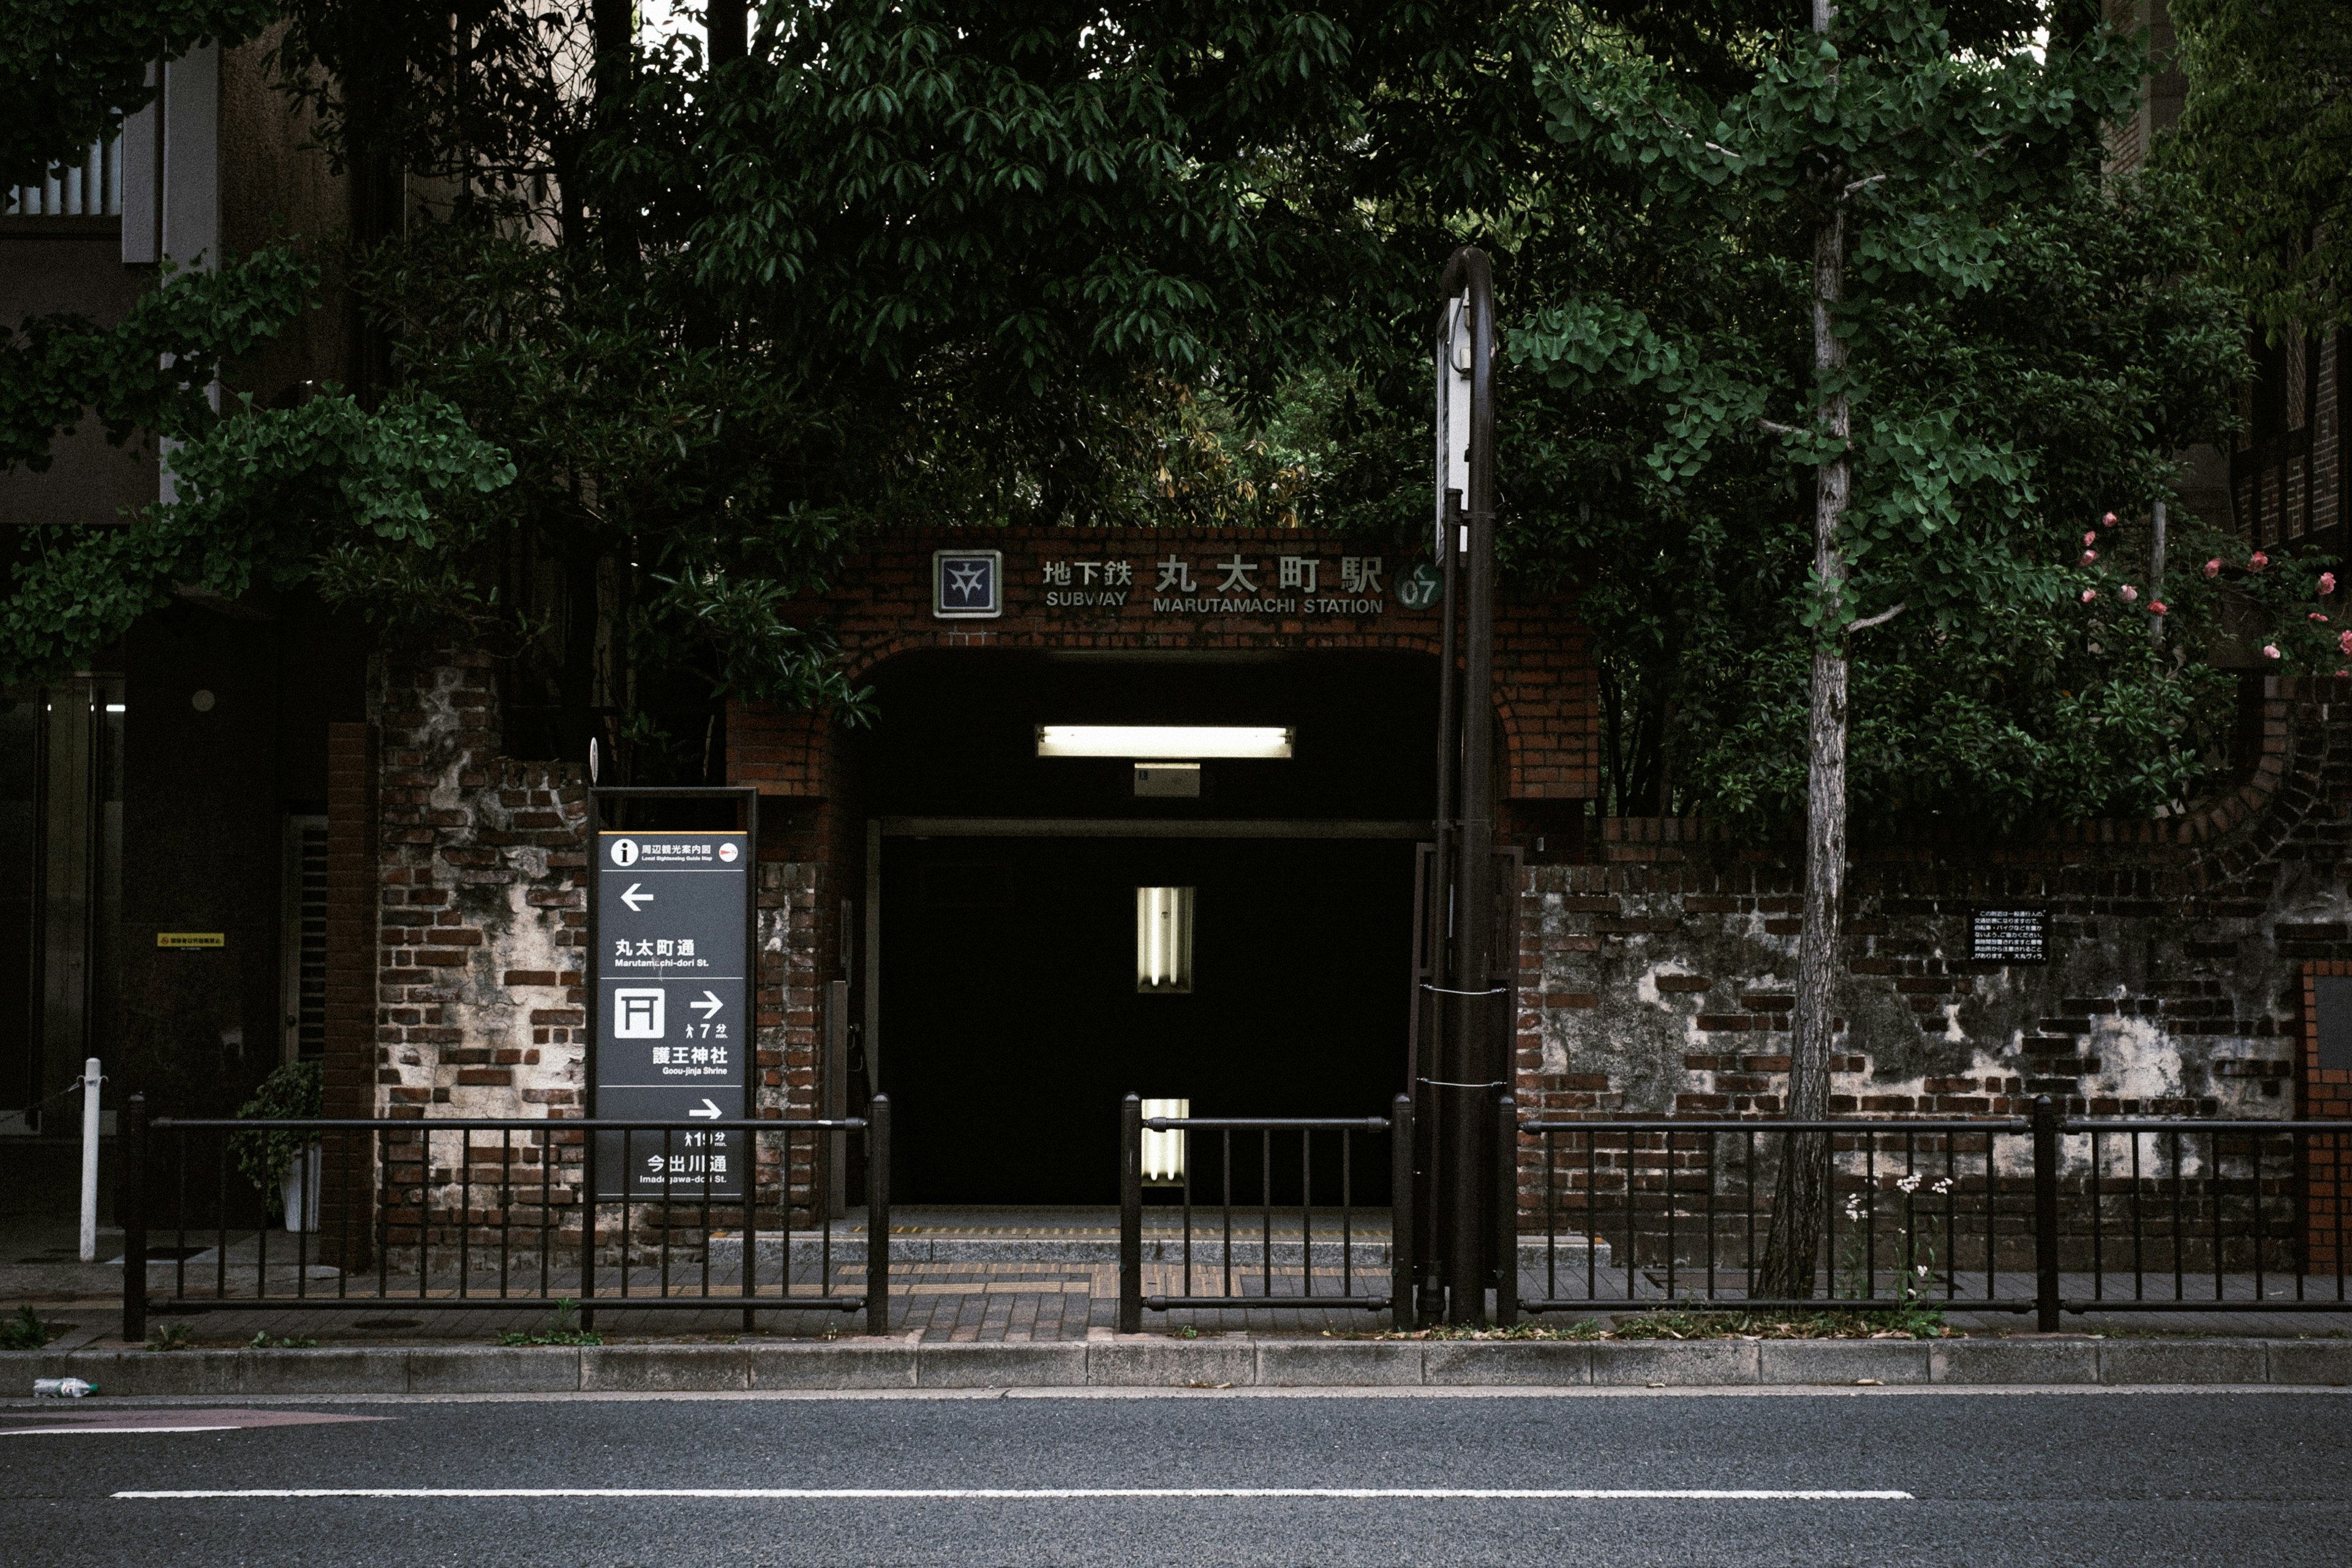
pixel 90 1161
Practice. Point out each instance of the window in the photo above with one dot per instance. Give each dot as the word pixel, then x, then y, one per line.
pixel 302 953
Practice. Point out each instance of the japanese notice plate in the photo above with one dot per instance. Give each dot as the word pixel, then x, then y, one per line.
pixel 673 1035
pixel 2010 936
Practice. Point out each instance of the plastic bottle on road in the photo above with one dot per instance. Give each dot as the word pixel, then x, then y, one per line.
pixel 62 1388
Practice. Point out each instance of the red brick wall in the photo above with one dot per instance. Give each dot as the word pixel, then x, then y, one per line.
pixel 2328 1158
pixel 481 913
pixel 477 915
pixel 880 606
pixel 1658 958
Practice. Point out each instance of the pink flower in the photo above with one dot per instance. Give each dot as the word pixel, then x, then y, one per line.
pixel 2344 642
pixel 2157 607
pixel 2089 594
pixel 2257 561
pixel 2108 520
pixel 2270 650
pixel 2328 581
pixel 2213 567
pixel 2090 539
pixel 2316 615
pixel 2089 556
pixel 2127 594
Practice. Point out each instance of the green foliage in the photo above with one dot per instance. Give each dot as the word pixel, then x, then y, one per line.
pixel 294 1091
pixel 2267 133
pixel 149 370
pixel 2027 342
pixel 1912 1321
pixel 1906 1322
pixel 26 1331
pixel 901 263
pixel 70 69
pixel 262 1342
pixel 563 1329
pixel 1930 160
pixel 1071 191
pixel 261 494
pixel 171 1337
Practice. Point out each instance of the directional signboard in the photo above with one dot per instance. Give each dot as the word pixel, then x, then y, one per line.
pixel 673 1031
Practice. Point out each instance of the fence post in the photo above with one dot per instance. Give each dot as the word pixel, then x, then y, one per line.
pixel 2045 1214
pixel 588 1223
pixel 877 1216
pixel 131 1191
pixel 1506 1211
pixel 1130 1215
pixel 1401 1315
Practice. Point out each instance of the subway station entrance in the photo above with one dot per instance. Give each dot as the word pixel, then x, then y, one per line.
pixel 1019 896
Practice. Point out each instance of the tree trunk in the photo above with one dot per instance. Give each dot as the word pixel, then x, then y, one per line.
pixel 725 23
pixel 1794 1243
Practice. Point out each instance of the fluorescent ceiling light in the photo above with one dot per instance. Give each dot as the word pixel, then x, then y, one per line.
pixel 1163 940
pixel 1163 1153
pixel 1162 742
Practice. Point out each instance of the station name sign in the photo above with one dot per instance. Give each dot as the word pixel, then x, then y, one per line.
pixel 969 584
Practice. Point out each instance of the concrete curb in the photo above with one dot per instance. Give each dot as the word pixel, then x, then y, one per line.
pixel 1154 1361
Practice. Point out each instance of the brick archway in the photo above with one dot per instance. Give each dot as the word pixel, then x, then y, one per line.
pixel 880 608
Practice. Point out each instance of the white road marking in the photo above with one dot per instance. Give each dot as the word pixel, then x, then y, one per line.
pixel 1058 1494
pixel 1251 1391
pixel 38 1431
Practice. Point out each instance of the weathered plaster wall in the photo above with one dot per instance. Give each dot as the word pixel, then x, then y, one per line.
pixel 478 991
pixel 1656 957
pixel 1658 963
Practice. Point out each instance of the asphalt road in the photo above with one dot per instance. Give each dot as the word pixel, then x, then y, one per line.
pixel 2046 1480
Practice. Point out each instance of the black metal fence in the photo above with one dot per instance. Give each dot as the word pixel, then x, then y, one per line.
pixel 2046 1214
pixel 467 1214
pixel 1239 1232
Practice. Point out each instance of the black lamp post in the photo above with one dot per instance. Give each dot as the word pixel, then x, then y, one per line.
pixel 1470 1064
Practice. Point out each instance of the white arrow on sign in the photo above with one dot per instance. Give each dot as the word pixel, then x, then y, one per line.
pixel 635 900
pixel 709 1006
pixel 708 1110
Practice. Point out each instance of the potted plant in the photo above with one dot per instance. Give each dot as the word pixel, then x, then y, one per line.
pixel 285 1166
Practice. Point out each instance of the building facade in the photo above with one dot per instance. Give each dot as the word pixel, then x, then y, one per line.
pixel 249 836
pixel 948 914
pixel 163 812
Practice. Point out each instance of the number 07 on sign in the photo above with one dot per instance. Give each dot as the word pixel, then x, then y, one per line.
pixel 671 1038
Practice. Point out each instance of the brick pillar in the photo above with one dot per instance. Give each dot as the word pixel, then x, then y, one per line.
pixel 350 1048
pixel 2328 1158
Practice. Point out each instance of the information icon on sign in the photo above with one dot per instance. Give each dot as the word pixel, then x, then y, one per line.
pixel 637 1014
pixel 625 851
